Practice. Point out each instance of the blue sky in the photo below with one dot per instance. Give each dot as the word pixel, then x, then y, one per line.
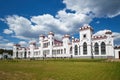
pixel 24 20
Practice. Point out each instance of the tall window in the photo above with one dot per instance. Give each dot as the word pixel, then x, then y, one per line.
pixel 79 50
pixel 61 51
pixel 25 55
pixel 84 48
pixel 64 51
pixel 70 50
pixel 103 48
pixel 96 47
pixel 76 50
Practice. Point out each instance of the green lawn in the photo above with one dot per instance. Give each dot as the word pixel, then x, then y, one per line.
pixel 73 69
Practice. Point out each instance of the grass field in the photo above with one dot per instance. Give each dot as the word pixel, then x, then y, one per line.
pixel 73 69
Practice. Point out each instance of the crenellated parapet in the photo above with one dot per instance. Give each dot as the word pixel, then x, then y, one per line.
pixel 86 27
pixel 99 37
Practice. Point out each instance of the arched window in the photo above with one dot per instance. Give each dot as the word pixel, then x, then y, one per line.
pixel 79 50
pixel 103 48
pixel 70 50
pixel 64 51
pixel 76 50
pixel 25 54
pixel 61 51
pixel 84 48
pixel 96 47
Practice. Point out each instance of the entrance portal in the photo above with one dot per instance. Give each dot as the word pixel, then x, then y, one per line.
pixel 5 56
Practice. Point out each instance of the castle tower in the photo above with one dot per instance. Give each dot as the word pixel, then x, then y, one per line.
pixel 109 44
pixel 50 39
pixel 32 46
pixel 86 41
pixel 66 41
pixel 41 39
pixel 15 50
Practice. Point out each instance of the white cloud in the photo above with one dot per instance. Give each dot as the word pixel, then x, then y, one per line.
pixel 101 8
pixel 6 45
pixel 58 36
pixel 64 22
pixel 19 25
pixel 72 21
pixel 3 40
pixel 7 31
pixel 101 32
pixel 116 38
pixel 23 43
pixel 116 35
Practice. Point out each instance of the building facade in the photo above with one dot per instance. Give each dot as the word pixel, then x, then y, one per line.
pixel 87 46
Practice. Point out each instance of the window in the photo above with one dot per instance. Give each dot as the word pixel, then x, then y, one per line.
pixel 70 50
pixel 76 50
pixel 84 36
pixel 96 47
pixel 39 52
pixel 64 51
pixel 46 52
pixel 85 48
pixel 79 50
pixel 46 45
pixel 103 48
pixel 61 51
pixel 29 53
pixel 54 52
pixel 58 51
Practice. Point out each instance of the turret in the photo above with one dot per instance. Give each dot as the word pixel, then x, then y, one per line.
pixel 109 36
pixel 15 50
pixel 16 46
pixel 32 45
pixel 109 44
pixel 66 39
pixel 86 33
pixel 108 33
pixel 50 39
pixel 41 38
pixel 51 35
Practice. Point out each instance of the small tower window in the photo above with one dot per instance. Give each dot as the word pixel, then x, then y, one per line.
pixel 84 36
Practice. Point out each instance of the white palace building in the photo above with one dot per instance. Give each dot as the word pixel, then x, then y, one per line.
pixel 87 46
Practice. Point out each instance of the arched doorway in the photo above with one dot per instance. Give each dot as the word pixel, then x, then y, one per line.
pixel 5 56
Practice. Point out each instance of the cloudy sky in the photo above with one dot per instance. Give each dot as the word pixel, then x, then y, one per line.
pixel 24 20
